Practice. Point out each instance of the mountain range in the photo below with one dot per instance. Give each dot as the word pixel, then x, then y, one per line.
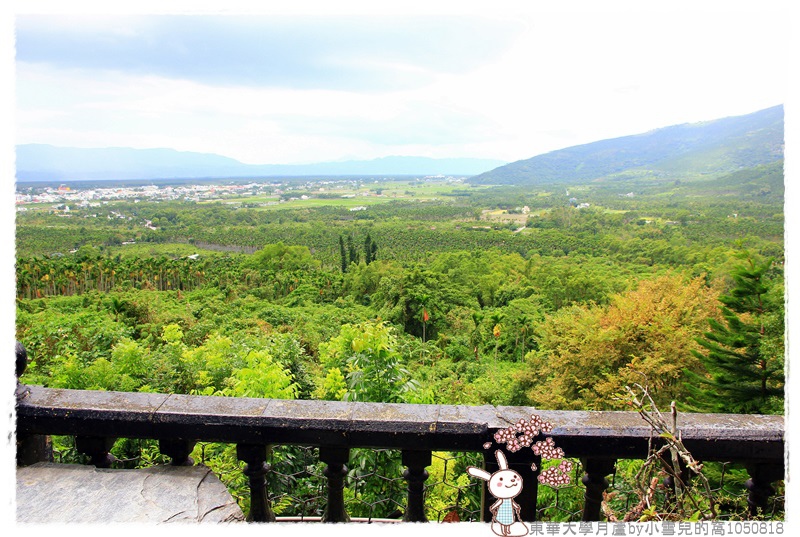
pixel 684 151
pixel 38 162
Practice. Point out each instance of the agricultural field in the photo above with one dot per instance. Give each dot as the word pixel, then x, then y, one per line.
pixel 540 296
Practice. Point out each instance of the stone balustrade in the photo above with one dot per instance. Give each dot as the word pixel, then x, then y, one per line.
pixel 178 422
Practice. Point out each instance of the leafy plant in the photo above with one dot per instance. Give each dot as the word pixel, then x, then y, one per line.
pixel 745 371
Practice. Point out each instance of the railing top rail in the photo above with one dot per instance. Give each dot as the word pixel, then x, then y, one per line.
pixel 401 426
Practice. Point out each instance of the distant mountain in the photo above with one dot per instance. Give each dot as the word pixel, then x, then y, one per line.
pixel 37 162
pixel 682 151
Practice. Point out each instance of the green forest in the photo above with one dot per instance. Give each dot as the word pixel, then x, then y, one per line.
pixel 547 296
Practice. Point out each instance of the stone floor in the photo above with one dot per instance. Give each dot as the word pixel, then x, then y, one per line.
pixel 62 493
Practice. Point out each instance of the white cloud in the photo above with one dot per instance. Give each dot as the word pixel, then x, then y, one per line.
pixel 570 77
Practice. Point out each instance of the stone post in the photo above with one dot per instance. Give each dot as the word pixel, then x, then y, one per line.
pixel 762 475
pixel 30 448
pixel 97 448
pixel 415 474
pixel 256 468
pixel 594 479
pixel 178 450
pixel 336 459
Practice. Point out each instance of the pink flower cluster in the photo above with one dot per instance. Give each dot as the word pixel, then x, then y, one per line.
pixel 557 476
pixel 539 424
pixel 529 429
pixel 513 442
pixel 522 433
pixel 547 449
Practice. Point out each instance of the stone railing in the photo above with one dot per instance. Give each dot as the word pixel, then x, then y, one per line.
pixel 178 422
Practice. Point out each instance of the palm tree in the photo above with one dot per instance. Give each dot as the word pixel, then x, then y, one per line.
pixel 24 279
pixel 496 317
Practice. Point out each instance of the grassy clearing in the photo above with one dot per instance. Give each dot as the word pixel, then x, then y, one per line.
pixel 349 203
pixel 146 249
pixel 499 215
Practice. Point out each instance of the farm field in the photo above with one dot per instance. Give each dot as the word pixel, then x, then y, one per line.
pixel 536 296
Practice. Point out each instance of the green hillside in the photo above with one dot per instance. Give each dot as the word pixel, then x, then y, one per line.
pixel 681 152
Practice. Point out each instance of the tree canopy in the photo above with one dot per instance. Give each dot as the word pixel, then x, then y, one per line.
pixel 742 352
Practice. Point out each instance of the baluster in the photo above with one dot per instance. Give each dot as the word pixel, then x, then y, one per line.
pixel 31 448
pixel 97 448
pixel 336 459
pixel 762 475
pixel 256 468
pixel 178 450
pixel 594 479
pixel 415 474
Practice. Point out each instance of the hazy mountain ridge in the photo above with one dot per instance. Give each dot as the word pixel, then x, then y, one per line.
pixel 681 151
pixel 711 147
pixel 39 162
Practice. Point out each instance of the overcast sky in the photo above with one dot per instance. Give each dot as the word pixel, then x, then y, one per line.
pixel 499 81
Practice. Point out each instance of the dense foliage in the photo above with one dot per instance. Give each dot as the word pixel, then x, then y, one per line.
pixel 746 374
pixel 480 296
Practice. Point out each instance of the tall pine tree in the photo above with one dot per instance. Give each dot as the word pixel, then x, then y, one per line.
pixel 351 250
pixel 370 249
pixel 744 365
pixel 343 254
